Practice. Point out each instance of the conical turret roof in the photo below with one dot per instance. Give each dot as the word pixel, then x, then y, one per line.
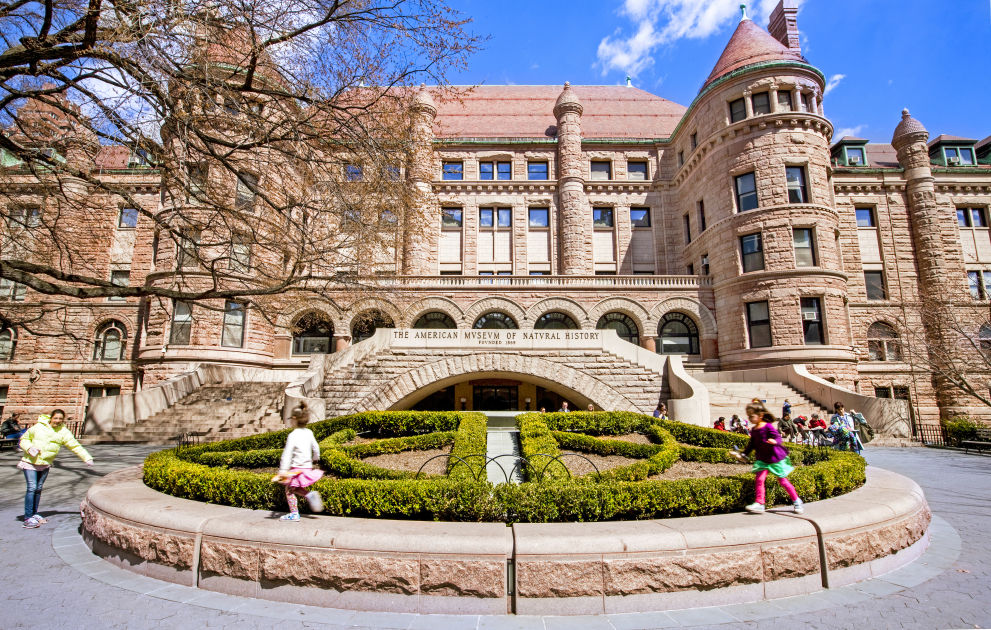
pixel 907 126
pixel 750 44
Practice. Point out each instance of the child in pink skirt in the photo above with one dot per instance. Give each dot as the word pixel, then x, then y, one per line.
pixel 296 471
pixel 770 456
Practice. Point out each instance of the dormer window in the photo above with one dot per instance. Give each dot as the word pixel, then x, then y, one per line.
pixel 959 156
pixel 850 152
pixel 855 156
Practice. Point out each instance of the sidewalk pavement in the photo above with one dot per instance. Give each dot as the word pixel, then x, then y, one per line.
pixel 50 582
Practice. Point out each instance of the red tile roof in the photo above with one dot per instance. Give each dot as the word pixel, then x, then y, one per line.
pixel 948 138
pixel 882 156
pixel 750 44
pixel 527 111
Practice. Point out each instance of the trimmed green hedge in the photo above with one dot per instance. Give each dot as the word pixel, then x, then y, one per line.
pixel 204 472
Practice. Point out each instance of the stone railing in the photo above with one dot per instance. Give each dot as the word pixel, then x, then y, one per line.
pixel 540 282
pixel 689 400
pixel 116 412
pixel 306 389
pixel 887 416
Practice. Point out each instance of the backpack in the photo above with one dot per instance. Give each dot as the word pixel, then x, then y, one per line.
pixel 865 430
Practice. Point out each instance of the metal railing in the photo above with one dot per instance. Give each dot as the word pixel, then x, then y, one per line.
pixel 932 435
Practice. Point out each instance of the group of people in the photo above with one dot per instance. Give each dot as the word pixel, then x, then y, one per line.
pixel 841 432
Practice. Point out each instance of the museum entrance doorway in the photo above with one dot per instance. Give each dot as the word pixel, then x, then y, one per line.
pixel 495 397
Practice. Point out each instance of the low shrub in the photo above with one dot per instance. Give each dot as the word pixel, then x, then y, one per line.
pixel 598 422
pixel 399 444
pixel 468 454
pixel 960 428
pixel 703 436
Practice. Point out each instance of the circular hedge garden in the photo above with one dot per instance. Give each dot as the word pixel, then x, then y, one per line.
pixel 238 472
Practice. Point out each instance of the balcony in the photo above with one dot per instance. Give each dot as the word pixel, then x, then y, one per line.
pixel 642 282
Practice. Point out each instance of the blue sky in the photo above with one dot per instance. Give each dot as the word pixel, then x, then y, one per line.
pixel 931 57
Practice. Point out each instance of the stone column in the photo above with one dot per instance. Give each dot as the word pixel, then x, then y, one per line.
pixel 576 220
pixel 422 223
pixel 774 99
pixel 928 226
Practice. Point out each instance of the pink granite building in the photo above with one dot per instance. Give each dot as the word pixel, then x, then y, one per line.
pixel 735 233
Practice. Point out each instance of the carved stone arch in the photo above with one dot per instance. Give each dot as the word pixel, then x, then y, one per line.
pixel 426 305
pixel 485 305
pixel 567 306
pixel 636 311
pixel 329 309
pixel 101 322
pixel 698 311
pixel 432 377
pixel 369 304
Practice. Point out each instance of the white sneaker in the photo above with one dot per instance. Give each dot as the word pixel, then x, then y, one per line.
pixel 31 523
pixel 756 508
pixel 315 502
pixel 798 506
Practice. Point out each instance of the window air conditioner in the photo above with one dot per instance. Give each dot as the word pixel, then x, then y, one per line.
pixel 854 159
pixel 810 316
pixel 953 161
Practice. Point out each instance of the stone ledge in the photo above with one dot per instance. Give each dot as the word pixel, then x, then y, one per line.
pixel 561 568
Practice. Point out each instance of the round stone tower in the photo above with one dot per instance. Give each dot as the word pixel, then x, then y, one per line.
pixel 576 220
pixel 422 223
pixel 750 164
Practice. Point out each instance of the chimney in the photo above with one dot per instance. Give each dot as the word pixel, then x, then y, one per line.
pixel 783 24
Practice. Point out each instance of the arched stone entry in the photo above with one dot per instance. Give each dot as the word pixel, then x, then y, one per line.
pixel 408 388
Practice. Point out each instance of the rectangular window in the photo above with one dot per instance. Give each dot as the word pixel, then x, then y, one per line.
pixel 761 103
pixel 240 253
pixel 784 101
pixel 681 158
pixel 128 218
pixel 21 217
pixel 121 278
pixel 752 249
pixel 797 192
pixel 450 217
pixel 874 280
pixel 247 184
pixel 882 392
pixel 188 248
pixel 737 110
pixel 807 102
pixel 636 171
pixel 694 140
pixel 233 335
pixel 602 217
pixel 182 323
pixel 688 228
pixel 701 210
pixel 812 321
pixel 690 269
pixel 978 218
pixel 855 156
pixel 452 170
pixel 504 217
pixel 705 264
pixel 865 218
pixel 485 216
pixel 956 156
pixel 901 392
pixel 539 217
pixel 495 170
pixel 198 174
pixel 976 286
pixel 601 170
pixel 758 324
pixel 805 253
pixel 10 290
pixel 536 170
pixel 746 192
pixel 640 217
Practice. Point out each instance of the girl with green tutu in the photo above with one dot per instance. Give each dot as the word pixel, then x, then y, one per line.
pixel 770 456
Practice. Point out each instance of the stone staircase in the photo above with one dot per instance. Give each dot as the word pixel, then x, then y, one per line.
pixel 346 387
pixel 726 399
pixel 209 414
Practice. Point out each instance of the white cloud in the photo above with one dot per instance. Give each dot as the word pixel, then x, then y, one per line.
pixel 849 131
pixel 832 83
pixel 660 22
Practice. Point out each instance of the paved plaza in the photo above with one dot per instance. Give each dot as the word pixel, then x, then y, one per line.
pixel 52 580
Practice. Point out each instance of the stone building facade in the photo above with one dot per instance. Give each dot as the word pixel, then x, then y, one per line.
pixel 736 232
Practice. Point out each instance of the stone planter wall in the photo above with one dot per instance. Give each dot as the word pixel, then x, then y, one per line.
pixel 489 568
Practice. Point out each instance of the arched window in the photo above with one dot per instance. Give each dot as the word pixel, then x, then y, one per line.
pixel 495 319
pixel 435 319
pixel 8 340
pixel 367 323
pixel 679 334
pixel 883 343
pixel 555 320
pixel 313 333
pixel 109 342
pixel 623 324
pixel 984 338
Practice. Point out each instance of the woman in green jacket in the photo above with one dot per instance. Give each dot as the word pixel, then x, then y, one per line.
pixel 41 444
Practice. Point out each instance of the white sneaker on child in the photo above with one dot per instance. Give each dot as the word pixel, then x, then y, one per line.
pixel 315 502
pixel 292 516
pixel 798 506
pixel 756 508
